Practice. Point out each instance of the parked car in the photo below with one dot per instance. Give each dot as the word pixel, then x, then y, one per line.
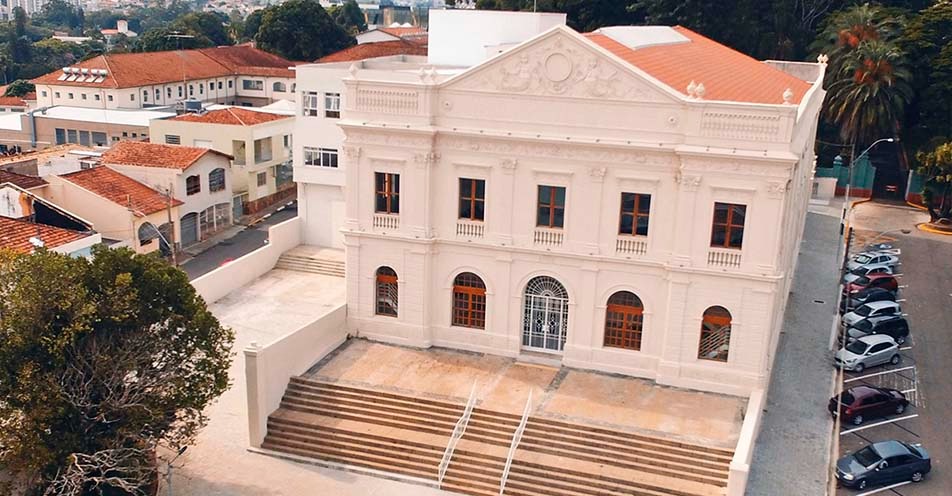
pixel 871 309
pixel 867 295
pixel 872 258
pixel 863 402
pixel 868 351
pixel 883 463
pixel 866 270
pixel 884 281
pixel 894 326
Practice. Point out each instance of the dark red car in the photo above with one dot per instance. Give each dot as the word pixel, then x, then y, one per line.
pixel 863 402
pixel 884 281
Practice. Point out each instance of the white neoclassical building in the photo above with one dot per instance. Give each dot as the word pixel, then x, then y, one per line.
pixel 629 200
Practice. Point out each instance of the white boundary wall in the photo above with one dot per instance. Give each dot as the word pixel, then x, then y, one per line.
pixel 218 283
pixel 744 452
pixel 268 369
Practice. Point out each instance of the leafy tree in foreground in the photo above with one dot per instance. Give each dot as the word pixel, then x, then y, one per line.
pixel 100 361
pixel 300 30
pixel 936 167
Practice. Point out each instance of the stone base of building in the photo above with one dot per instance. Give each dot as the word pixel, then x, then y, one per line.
pixel 287 192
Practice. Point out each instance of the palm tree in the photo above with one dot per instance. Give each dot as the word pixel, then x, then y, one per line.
pixel 846 29
pixel 869 93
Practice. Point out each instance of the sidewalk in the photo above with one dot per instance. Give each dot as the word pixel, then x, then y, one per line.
pixel 793 449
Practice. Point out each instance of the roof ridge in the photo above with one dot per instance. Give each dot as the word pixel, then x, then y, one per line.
pixel 240 120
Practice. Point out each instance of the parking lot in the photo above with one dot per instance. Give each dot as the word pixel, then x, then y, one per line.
pixel 926 299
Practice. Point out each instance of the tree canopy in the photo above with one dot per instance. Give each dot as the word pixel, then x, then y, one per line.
pixel 349 17
pixel 300 30
pixel 100 361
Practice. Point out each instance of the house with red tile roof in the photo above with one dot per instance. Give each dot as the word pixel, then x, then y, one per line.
pixel 120 208
pixel 365 51
pixel 235 75
pixel 413 34
pixel 258 141
pixel 24 236
pixel 200 177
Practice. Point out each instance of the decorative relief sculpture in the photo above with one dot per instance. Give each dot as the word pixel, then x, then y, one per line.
pixel 776 189
pixel 561 67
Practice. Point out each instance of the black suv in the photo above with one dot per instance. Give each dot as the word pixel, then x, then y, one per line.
pixel 867 295
pixel 894 326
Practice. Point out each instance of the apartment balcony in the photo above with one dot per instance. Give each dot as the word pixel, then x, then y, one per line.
pixel 386 222
pixel 547 237
pixel 631 245
pixel 729 258
pixel 469 229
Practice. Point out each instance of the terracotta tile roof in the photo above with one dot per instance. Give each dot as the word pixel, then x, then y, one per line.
pixel 235 116
pixel 155 155
pixel 21 180
pixel 727 74
pixel 41 156
pixel 120 189
pixel 15 234
pixel 129 70
pixel 14 101
pixel 372 50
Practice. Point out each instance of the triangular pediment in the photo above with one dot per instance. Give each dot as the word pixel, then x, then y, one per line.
pixel 560 62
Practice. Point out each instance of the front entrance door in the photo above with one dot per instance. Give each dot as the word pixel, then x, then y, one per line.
pixel 545 315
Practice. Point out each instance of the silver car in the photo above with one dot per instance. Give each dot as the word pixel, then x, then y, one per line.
pixel 866 270
pixel 868 351
pixel 872 258
pixel 870 310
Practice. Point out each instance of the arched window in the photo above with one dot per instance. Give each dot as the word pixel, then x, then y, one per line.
pixel 623 321
pixel 715 334
pixel 216 179
pixel 469 301
pixel 279 87
pixel 386 294
pixel 193 185
pixel 147 232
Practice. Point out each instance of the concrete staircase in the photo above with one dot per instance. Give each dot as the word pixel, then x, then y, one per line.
pixel 407 436
pixel 305 263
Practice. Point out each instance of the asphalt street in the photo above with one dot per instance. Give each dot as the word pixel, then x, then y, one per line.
pixel 244 242
pixel 927 278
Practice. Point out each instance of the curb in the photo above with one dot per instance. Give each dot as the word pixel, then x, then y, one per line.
pixel 924 226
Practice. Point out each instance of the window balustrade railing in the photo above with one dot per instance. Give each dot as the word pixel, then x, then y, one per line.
pixel 631 245
pixel 469 228
pixel 724 257
pixel 389 222
pixel 547 237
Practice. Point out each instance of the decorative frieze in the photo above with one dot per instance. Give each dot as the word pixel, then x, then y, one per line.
pixel 388 101
pixel 388 138
pixel 752 127
pixel 576 152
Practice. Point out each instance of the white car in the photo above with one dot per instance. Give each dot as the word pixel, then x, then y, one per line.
pixel 871 310
pixel 872 258
pixel 868 351
pixel 865 270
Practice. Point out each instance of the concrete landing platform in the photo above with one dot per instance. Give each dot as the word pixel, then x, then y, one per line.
pixel 319 252
pixel 503 384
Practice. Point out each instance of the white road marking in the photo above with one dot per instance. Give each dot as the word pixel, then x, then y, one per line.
pixel 884 488
pixel 907 391
pixel 880 373
pixel 905 348
pixel 877 424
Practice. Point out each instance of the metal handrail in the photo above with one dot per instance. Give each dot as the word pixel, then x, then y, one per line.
pixel 516 438
pixel 457 434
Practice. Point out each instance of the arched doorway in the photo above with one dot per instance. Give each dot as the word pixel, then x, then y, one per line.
pixel 545 315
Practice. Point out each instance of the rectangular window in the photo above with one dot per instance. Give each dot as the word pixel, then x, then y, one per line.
pixel 43 93
pixel 99 139
pixel 69 95
pixel 728 225
pixel 109 97
pixel 132 97
pixel 262 178
pixel 238 151
pixel 321 157
pixel 332 105
pixel 634 214
pixel 71 136
pixel 262 150
pixel 252 84
pixel 201 89
pixel 219 85
pixel 310 104
pixel 551 207
pixel 180 92
pixel 82 96
pixel 60 136
pixel 97 97
pixel 56 94
pixel 84 138
pixel 472 198
pixel 387 198
pixel 230 84
pixel 171 139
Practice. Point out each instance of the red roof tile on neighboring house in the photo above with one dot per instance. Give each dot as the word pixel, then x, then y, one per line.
pixel 21 180
pixel 120 189
pixel 155 155
pixel 727 74
pixel 129 70
pixel 235 116
pixel 15 235
pixel 14 101
pixel 372 50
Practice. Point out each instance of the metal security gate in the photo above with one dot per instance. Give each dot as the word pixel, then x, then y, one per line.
pixel 545 315
pixel 189 228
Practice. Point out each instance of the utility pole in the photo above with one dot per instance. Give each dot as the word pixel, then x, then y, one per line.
pixel 168 209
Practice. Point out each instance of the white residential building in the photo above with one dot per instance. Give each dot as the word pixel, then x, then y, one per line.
pixel 613 200
pixel 199 177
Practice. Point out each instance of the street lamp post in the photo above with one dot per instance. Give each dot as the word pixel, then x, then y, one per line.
pixel 849 176
pixel 168 470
